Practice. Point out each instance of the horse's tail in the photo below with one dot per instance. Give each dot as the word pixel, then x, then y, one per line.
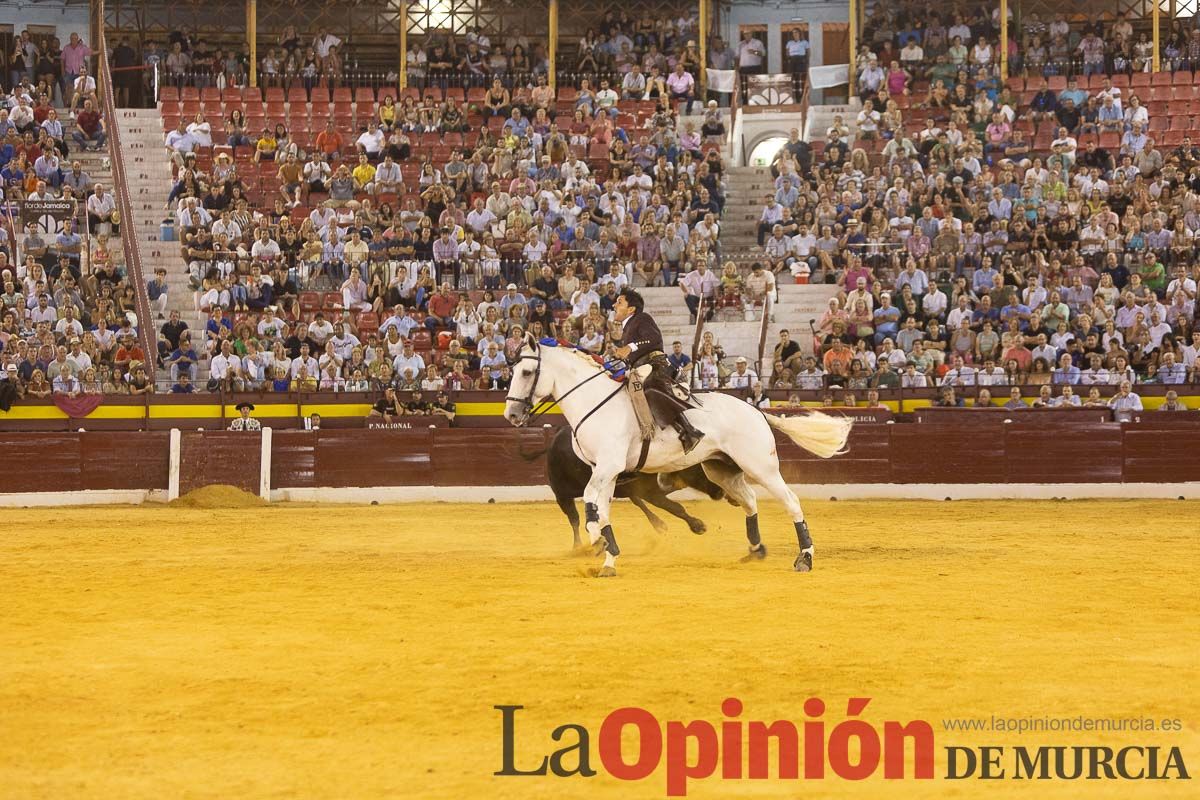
pixel 822 435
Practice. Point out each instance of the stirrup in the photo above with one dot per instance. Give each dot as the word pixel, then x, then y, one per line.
pixel 689 438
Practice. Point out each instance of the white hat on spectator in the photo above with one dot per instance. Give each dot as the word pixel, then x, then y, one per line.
pixel 511 286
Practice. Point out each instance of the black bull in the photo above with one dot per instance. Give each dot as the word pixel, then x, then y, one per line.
pixel 568 475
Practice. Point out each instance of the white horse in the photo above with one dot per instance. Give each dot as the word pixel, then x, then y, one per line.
pixel 738 443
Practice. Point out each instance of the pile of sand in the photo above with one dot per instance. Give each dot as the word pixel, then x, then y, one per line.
pixel 218 495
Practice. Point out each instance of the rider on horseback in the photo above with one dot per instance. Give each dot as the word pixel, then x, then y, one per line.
pixel 641 343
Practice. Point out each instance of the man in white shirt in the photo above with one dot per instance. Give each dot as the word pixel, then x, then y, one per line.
pixel 84 88
pixel 225 369
pixel 227 226
pixel 804 248
pixel 935 302
pixel 194 216
pixel 963 311
pixel 344 341
pixel 959 375
pixel 751 53
pixel 179 143
pixel 322 44
pixel 100 208
pixel 372 140
pixel 307 362
pixel 1045 350
pixel 265 248
pixel 742 376
pixel 1095 374
pixel 1182 283
pixel 387 178
pixel 699 283
pixel 583 299
pixel 480 218
pixel 614 276
pixel 990 375
pixel 633 86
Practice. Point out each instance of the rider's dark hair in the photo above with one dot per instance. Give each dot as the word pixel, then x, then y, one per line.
pixel 634 299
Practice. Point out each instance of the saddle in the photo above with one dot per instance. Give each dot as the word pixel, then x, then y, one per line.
pixel 654 407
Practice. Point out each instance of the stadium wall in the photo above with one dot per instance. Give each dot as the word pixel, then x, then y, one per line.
pixel 971 458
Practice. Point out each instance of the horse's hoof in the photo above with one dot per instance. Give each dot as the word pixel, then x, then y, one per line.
pixel 603 572
pixel 803 562
pixel 599 546
pixel 698 527
pixel 755 554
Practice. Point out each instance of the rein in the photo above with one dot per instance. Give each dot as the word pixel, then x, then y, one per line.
pixel 540 408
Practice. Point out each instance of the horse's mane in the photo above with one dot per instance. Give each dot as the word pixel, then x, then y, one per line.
pixel 592 360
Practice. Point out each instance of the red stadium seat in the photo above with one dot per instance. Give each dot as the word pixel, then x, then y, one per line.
pixel 1139 80
pixel 1160 79
pixel 368 323
pixel 310 301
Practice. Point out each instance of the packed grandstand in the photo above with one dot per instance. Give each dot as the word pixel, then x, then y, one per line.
pixel 1029 224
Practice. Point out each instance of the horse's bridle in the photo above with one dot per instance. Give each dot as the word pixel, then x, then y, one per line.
pixel 535 410
pixel 527 401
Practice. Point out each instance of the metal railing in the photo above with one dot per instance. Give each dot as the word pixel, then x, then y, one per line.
pixel 767 313
pixel 129 239
pixel 376 80
pixel 701 313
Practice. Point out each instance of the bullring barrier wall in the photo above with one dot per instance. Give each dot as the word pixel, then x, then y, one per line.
pixel 962 455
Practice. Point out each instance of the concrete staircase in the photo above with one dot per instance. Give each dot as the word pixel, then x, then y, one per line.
pixel 97 167
pixel 798 304
pixel 666 305
pixel 745 187
pixel 149 175
pixel 821 117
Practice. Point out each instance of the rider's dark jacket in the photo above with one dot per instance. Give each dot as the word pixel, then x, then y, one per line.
pixel 641 333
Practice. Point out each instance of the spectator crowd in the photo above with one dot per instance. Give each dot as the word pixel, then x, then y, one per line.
pixel 1034 232
pixel 449 221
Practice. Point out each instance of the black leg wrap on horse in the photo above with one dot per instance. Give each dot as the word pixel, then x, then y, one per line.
pixel 591 513
pixel 610 540
pixel 752 531
pixel 803 535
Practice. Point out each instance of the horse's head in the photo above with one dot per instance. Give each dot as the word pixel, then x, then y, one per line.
pixel 529 385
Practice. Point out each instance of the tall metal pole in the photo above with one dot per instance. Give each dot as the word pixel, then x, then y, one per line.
pixel 705 24
pixel 1003 40
pixel 403 45
pixel 552 49
pixel 252 35
pixel 1154 5
pixel 853 34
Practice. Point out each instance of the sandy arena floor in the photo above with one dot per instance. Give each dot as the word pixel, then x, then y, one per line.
pixel 356 652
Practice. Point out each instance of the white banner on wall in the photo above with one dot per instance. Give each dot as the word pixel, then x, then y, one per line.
pixel 829 75
pixel 721 80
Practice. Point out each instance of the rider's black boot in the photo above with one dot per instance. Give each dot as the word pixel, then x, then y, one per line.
pixel 688 435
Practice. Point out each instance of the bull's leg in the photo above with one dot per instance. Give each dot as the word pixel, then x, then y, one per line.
pixel 658 524
pixel 733 481
pixel 676 509
pixel 567 504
